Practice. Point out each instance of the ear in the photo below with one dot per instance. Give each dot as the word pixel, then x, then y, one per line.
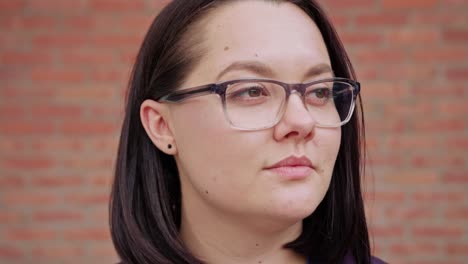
pixel 155 118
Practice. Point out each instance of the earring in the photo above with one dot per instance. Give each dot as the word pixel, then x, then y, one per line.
pixel 169 146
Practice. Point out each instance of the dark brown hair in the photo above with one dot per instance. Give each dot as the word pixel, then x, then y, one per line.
pixel 146 199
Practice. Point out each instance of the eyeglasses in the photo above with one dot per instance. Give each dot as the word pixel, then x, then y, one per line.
pixel 253 104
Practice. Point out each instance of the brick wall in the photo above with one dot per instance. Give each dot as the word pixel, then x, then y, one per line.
pixel 63 70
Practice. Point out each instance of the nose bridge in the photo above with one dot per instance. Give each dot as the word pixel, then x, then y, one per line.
pixel 299 90
pixel 296 119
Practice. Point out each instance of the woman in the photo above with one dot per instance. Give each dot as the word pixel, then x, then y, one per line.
pixel 240 143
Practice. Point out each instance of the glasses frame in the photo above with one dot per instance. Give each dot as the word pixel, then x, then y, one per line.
pixel 220 89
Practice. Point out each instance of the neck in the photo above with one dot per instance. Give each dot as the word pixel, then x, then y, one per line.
pixel 230 239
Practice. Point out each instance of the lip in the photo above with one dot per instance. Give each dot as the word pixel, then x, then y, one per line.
pixel 292 168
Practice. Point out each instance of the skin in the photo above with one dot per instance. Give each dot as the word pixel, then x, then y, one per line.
pixel 233 210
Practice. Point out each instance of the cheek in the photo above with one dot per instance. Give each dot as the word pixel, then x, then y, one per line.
pixel 212 156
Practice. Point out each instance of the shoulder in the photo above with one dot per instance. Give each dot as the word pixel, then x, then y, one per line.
pixel 350 260
pixel 375 260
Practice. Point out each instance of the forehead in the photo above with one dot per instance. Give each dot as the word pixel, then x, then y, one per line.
pixel 279 35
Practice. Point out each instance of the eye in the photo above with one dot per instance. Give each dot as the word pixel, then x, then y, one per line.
pixel 322 93
pixel 318 96
pixel 249 92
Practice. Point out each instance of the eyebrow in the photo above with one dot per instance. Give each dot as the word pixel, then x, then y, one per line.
pixel 262 69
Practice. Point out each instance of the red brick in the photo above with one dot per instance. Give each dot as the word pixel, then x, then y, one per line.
pixel 379 56
pixel 436 55
pixel 411 142
pixel 457 177
pixel 58 252
pixel 104 251
pixel 442 17
pixel 347 5
pixel 56 216
pixel 76 94
pixel 455 3
pixel 391 197
pixel 415 249
pixel 26 198
pixel 117 40
pixel 105 145
pixel 87 58
pixel 382 232
pixel 456 35
pixel 414 4
pixel 102 180
pixel 11 6
pixel 452 107
pixel 55 145
pixel 380 20
pixel 111 75
pixel 456 213
pixel 117 5
pixel 361 38
pixel 87 199
pixel 433 197
pixel 437 126
pixel 10 145
pixel 107 110
pixel 128 57
pixel 424 161
pixel 383 90
pixel 50 111
pixel 28 24
pixel 416 37
pixel 9 111
pixel 89 163
pixel 412 177
pixel 455 142
pixel 429 91
pixel 410 214
pixel 366 73
pixel 7 182
pixel 57 5
pixel 10 252
pixel 458 249
pixel 9 218
pixel 87 234
pixel 408 72
pixel 385 160
pixel 437 232
pixel 26 93
pixel 52 41
pixel 58 181
pixel 457 74
pixel 30 233
pixel 26 58
pixel 156 5
pixel 88 128
pixel 135 22
pixel 51 75
pixel 414 109
pixel 376 126
pixel 28 163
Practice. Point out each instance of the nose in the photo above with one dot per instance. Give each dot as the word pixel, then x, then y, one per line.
pixel 296 121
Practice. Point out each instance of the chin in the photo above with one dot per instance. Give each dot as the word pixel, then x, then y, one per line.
pixel 293 210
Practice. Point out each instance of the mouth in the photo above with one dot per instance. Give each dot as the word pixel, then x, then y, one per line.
pixel 292 168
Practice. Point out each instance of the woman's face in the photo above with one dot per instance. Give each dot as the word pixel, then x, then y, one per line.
pixel 223 170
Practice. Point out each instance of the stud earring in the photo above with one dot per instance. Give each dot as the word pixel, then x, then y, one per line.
pixel 169 146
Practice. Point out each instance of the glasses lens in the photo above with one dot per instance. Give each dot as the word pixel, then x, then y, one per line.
pixel 253 105
pixel 330 103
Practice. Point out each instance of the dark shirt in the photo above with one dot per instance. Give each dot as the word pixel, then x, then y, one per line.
pixel 349 260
